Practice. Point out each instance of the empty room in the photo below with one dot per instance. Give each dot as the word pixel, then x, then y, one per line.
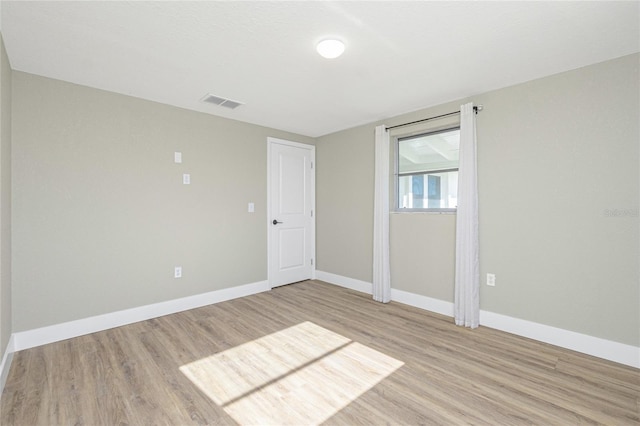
pixel 319 212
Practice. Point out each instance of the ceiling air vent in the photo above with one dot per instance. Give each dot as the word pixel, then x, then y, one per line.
pixel 223 102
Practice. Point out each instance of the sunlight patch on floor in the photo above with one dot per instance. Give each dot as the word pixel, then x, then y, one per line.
pixel 300 375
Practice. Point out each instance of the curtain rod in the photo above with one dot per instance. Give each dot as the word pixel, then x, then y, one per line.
pixel 475 109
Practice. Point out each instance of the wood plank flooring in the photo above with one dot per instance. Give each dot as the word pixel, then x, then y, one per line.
pixel 337 358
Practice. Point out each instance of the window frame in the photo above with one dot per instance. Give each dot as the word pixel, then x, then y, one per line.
pixel 396 173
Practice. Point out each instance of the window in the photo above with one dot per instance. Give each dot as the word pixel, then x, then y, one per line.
pixel 427 171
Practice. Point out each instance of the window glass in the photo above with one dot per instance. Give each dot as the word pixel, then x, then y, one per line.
pixel 427 165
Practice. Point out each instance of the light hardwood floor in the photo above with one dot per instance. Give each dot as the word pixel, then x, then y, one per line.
pixel 313 353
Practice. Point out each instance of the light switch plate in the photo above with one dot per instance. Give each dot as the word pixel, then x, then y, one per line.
pixel 177 157
pixel 251 208
pixel 491 280
pixel 186 179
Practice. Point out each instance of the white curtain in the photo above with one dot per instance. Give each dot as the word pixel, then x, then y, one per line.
pixel 381 269
pixel 467 281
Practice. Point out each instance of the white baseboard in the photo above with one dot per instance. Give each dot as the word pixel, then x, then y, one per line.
pixel 423 302
pixel 601 348
pixel 54 333
pixel 6 363
pixel 590 345
pixel 357 285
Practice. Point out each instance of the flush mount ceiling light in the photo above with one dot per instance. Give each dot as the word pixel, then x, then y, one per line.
pixel 330 48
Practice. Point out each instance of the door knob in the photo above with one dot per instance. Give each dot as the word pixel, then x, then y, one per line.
pixel 275 222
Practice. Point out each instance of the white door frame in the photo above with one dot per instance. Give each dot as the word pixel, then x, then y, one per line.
pixel 270 142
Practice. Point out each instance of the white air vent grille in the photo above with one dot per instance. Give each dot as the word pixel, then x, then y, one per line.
pixel 223 102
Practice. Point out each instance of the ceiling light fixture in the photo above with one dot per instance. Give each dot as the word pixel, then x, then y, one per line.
pixel 330 48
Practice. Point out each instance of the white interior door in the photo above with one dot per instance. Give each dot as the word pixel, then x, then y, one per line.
pixel 291 216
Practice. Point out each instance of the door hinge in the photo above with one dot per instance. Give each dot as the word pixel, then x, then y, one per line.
pixel 312 262
pixel 312 164
pixel 311 213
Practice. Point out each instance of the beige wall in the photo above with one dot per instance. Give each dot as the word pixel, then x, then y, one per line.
pixel 554 155
pixel 423 262
pixel 100 215
pixel 344 203
pixel 5 199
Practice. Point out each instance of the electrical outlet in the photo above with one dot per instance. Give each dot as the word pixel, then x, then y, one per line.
pixel 177 272
pixel 177 157
pixel 491 280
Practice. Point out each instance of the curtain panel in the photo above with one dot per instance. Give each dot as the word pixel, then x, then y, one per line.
pixel 467 273
pixel 381 268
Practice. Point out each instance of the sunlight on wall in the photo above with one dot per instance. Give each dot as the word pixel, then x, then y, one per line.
pixel 301 375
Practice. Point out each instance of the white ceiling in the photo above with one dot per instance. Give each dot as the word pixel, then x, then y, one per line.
pixel 400 57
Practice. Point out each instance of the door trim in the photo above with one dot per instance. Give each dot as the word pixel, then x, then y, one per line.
pixel 270 142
